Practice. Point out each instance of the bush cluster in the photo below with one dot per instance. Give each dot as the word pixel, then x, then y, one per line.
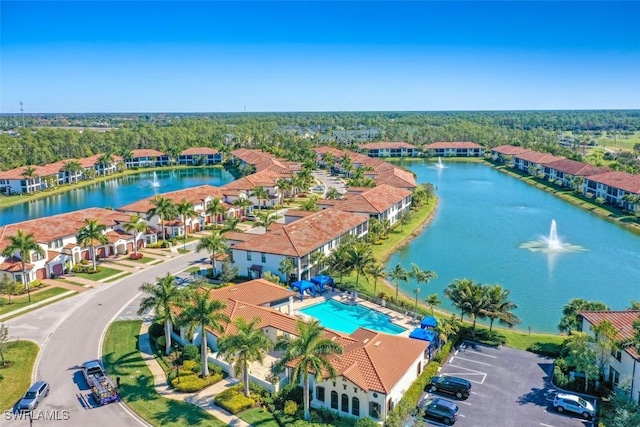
pixel 87 269
pixel 160 245
pixel 156 330
pixel 190 382
pixel 135 256
pixel 233 400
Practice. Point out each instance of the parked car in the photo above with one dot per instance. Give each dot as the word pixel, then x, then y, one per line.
pixel 33 396
pixel 439 409
pixel 252 217
pixel 92 369
pixel 572 403
pixel 459 387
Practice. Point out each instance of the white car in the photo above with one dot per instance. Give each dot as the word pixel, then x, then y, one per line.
pixel 572 403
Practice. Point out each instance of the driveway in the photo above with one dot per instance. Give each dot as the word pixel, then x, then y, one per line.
pixel 69 332
pixel 329 181
pixel 510 388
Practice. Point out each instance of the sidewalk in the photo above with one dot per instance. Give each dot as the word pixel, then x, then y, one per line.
pixel 203 398
pixel 37 304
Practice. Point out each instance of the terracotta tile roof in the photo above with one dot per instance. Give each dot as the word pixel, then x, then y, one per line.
pixel 576 168
pixel 51 255
pixel 239 236
pixel 301 237
pixel 47 229
pixel 374 363
pixel 116 235
pixel 373 201
pixel 508 150
pixel 396 177
pixel 326 149
pixel 195 195
pixel 385 145
pixel 537 157
pixel 146 152
pixel 625 181
pixel 257 292
pixel 199 151
pixel 622 321
pixel 13 265
pixel 265 178
pixel 453 145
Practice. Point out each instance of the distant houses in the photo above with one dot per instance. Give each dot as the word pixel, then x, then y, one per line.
pixel 389 149
pixel 454 149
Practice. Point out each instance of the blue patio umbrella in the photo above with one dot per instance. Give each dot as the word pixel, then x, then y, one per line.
pixel 429 322
pixel 304 285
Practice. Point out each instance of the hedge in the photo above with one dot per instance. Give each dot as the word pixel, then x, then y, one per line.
pixel 190 382
pixel 233 400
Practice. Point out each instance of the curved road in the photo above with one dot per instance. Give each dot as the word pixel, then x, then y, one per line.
pixel 69 333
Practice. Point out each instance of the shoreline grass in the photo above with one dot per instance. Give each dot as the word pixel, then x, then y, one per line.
pixel 17 377
pixel 121 356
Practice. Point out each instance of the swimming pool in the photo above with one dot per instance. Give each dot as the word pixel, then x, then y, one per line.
pixel 347 318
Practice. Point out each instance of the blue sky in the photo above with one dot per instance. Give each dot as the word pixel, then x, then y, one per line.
pixel 150 56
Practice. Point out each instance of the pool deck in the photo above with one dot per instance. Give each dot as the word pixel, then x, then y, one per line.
pixel 405 321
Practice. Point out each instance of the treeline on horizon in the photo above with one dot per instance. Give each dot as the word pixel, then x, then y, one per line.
pixel 283 133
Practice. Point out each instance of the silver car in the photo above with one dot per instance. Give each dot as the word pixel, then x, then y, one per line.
pixel 34 396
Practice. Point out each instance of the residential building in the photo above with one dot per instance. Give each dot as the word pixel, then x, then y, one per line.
pixel 455 149
pixel 565 170
pixel 528 160
pixel 389 149
pixel 200 156
pixel 625 362
pixel 266 179
pixel 147 157
pixel 504 153
pixel 613 186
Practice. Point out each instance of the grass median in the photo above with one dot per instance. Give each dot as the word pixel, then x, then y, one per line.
pixel 23 300
pixel 122 358
pixel 16 377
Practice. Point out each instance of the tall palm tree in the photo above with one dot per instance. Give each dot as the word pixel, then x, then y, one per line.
pixel 105 160
pixel 310 204
pixel 500 307
pixel 261 194
pixel 242 203
pixel 287 267
pixel 92 235
pixel 203 312
pixel 311 352
pixel 359 258
pixel 231 224
pixel 214 209
pixel 317 259
pixel 265 219
pixel 162 296
pixel 29 172
pixel 420 276
pixel 333 194
pixel 470 297
pixel 165 209
pixel 135 226
pixel 284 188
pixel 377 271
pixel 247 344
pixel 432 301
pixel 71 168
pixel 213 244
pixel 185 209
pixel 24 244
pixel 397 274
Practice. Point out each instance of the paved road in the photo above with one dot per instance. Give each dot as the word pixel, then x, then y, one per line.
pixel 330 181
pixel 69 333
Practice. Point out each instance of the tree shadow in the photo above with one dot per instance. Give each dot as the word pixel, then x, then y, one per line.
pixel 540 396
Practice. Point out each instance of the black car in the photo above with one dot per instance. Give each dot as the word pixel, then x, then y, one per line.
pixel 459 387
pixel 439 409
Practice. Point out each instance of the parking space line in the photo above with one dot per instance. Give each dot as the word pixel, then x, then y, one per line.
pixel 473 361
pixel 479 354
pixel 546 425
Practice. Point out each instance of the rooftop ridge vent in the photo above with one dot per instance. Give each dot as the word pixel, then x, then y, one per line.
pixel 378 343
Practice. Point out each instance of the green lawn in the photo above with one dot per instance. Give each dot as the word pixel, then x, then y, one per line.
pixel 17 377
pixel 106 272
pixel 143 260
pixel 524 341
pixel 122 358
pixel 65 280
pixel 23 301
pixel 258 417
pixel 122 276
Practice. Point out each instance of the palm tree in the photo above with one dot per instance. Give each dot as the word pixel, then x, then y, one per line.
pixel 309 352
pixel 213 244
pixel 260 193
pixel 242 203
pixel 163 297
pixel 247 344
pixel 216 208
pixel 500 307
pixel 377 271
pixel 231 224
pixel 265 219
pixel 397 274
pixel 471 298
pixel 165 209
pixel 317 259
pixel 135 226
pixel 284 188
pixel 92 235
pixel 29 172
pixel 310 205
pixel 359 258
pixel 420 276
pixel 24 244
pixel 185 208
pixel 287 267
pixel 333 194
pixel 203 312
pixel 104 160
pixel 432 301
pixel 71 168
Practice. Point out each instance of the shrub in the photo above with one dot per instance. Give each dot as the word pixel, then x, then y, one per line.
pixel 365 422
pixel 233 400
pixel 190 382
pixel 136 256
pixel 291 392
pixel 190 352
pixel 156 330
pixel 161 343
pixel 189 365
pixel 559 378
pixel 290 407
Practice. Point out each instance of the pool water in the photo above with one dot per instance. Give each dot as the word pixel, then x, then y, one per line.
pixel 347 318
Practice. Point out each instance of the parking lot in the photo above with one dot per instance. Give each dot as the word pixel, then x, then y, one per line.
pixel 509 388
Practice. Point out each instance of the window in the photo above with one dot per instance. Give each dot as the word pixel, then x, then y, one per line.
pixel 374 409
pixel 264 257
pixel 35 256
pixel 248 255
pixel 355 407
pixel 249 272
pixel 320 393
pixel 345 403
pixel 334 400
pixel 614 376
pixel 615 352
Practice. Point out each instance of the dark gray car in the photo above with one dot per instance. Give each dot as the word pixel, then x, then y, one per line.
pixel 34 396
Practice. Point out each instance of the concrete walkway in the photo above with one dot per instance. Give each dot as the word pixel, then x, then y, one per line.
pixel 203 398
